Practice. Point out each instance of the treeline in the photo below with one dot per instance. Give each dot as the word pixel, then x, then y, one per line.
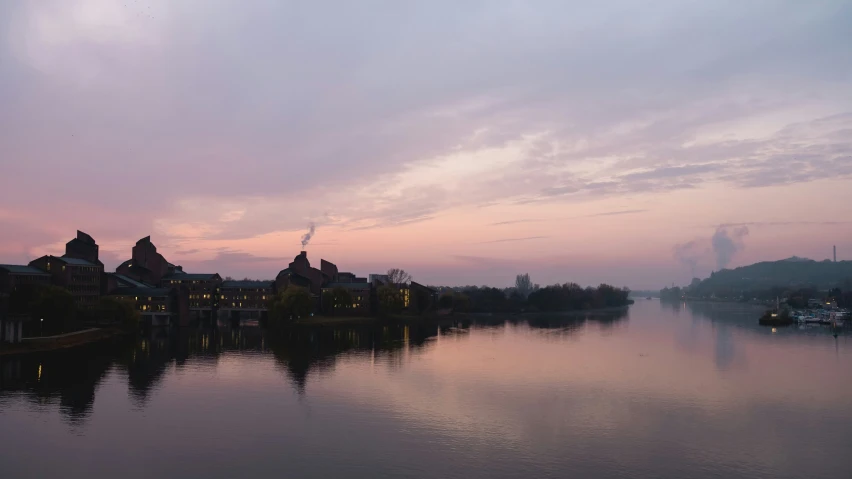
pixel 554 298
pixel 790 275
pixel 52 310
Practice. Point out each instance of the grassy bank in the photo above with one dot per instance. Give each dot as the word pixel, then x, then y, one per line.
pixel 64 341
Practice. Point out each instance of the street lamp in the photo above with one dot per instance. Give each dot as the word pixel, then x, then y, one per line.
pixel 41 327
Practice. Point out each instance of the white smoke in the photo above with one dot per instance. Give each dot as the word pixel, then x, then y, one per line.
pixel 726 243
pixel 306 238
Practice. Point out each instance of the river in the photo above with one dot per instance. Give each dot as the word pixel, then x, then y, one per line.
pixel 664 391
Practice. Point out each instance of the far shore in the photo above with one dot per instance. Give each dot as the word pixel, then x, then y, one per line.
pixel 449 317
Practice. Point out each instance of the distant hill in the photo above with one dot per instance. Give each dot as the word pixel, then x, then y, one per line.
pixel 788 273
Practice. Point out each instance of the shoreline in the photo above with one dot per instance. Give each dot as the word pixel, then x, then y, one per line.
pixel 61 342
pixel 360 320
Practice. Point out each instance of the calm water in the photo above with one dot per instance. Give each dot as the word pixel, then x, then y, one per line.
pixel 694 391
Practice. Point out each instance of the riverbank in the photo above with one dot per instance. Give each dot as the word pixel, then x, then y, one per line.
pixel 62 341
pixel 449 317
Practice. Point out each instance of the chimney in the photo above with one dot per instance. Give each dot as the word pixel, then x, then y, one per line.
pixel 835 253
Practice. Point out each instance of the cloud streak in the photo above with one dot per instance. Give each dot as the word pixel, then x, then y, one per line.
pixel 509 240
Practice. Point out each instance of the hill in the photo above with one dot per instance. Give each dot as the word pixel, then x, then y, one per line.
pixel 792 273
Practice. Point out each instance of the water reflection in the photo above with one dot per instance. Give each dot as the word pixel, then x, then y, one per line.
pixel 70 379
pixel 658 393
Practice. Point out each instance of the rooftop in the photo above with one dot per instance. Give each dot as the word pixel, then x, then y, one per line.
pixel 77 261
pixel 21 269
pixel 347 285
pixel 191 276
pixel 130 282
pixel 246 284
pixel 150 292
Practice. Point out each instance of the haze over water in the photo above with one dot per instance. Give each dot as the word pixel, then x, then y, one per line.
pixel 662 391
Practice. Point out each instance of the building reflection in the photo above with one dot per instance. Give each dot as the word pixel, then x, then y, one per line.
pixel 55 380
pixel 68 380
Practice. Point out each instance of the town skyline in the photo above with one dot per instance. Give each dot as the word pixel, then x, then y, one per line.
pixel 465 143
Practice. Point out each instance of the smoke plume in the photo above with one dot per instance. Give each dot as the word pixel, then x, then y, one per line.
pixel 690 254
pixel 726 243
pixel 306 238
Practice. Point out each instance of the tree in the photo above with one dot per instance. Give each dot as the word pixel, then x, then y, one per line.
pixel 398 276
pixel 461 302
pixel 337 299
pixel 390 300
pixel 446 300
pixel 523 285
pixel 56 307
pixel 116 311
pixel 290 304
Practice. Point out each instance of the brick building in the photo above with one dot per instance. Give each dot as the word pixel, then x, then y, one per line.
pixel 146 264
pixel 246 299
pixel 362 296
pixel 79 270
pixel 80 277
pixel 12 276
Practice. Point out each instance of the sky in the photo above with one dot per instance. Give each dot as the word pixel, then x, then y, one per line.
pixel 634 143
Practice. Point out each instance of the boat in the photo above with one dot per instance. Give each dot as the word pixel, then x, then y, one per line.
pixel 649 297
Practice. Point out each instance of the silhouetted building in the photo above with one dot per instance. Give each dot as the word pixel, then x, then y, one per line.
pixel 329 271
pixel 300 273
pixel 12 276
pixel 155 305
pixel 80 277
pixel 421 298
pixel 201 288
pixel 362 296
pixel 146 264
pixel 83 247
pixel 78 271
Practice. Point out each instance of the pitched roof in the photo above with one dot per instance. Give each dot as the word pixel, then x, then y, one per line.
pixel 150 292
pixel 347 285
pixel 191 276
pixel 130 282
pixel 246 284
pixel 418 285
pixel 21 269
pixel 77 261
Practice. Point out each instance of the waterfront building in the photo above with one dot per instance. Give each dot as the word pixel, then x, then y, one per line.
pixel 300 273
pixel 78 271
pixel 80 277
pixel 362 296
pixel 12 276
pixel 246 299
pixel 156 306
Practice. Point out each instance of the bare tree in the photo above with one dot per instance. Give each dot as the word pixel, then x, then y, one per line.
pixel 523 285
pixel 398 276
